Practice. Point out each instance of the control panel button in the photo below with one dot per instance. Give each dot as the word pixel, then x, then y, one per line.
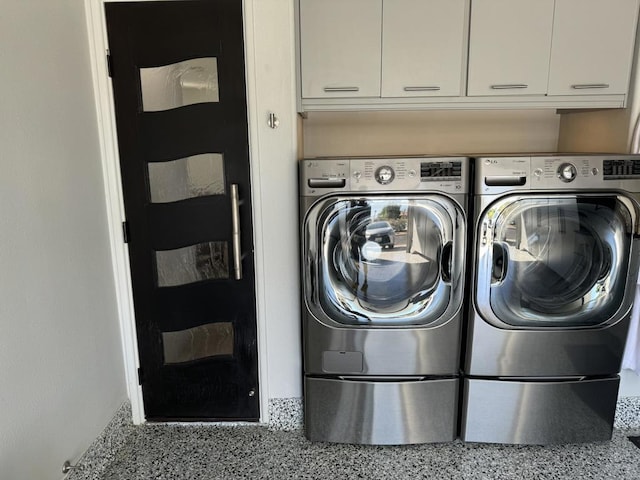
pixel 384 175
pixel 567 172
pixel 357 174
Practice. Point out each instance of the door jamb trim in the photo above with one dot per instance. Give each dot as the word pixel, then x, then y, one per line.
pixel 105 115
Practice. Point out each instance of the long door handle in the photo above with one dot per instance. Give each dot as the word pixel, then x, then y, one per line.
pixel 235 232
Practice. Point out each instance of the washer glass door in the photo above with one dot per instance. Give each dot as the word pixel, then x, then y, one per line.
pixel 383 261
pixel 554 261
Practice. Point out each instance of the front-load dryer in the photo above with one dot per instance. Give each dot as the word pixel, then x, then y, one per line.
pixel 383 245
pixel 556 259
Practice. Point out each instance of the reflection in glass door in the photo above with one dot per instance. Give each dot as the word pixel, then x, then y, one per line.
pixel 386 261
pixel 557 262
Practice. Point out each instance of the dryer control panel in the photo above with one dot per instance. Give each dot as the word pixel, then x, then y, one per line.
pixel 319 176
pixel 558 172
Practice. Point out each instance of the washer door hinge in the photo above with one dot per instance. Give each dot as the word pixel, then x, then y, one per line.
pixel 109 64
pixel 125 231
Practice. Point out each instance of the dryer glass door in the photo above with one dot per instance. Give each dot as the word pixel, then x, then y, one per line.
pixel 554 261
pixel 384 261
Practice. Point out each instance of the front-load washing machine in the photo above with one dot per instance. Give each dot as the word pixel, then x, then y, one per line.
pixel 383 245
pixel 556 259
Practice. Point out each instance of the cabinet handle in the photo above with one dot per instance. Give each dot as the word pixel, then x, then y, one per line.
pixel 235 232
pixel 421 89
pixel 585 86
pixel 509 86
pixel 341 89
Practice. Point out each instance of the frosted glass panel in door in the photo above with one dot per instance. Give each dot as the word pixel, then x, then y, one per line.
pixel 203 341
pixel 196 176
pixel 195 263
pixel 179 84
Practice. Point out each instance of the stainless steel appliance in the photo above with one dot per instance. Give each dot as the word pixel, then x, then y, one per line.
pixel 383 253
pixel 555 265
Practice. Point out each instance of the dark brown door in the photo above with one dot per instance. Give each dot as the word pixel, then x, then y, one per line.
pixel 179 90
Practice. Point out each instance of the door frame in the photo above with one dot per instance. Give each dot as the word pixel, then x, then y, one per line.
pixel 105 113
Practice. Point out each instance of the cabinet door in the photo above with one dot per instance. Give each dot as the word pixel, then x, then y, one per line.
pixel 592 46
pixel 340 48
pixel 423 47
pixel 509 47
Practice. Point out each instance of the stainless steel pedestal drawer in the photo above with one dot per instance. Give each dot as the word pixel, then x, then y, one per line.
pixel 538 412
pixel 392 412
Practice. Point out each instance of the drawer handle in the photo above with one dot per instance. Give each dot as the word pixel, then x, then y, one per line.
pixel 341 89
pixel 586 86
pixel 421 89
pixel 509 86
pixel 326 182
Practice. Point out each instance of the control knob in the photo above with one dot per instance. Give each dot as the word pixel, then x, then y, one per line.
pixel 567 172
pixel 385 175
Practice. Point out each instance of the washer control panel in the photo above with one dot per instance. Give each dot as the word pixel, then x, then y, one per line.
pixel 385 174
pixel 319 176
pixel 539 172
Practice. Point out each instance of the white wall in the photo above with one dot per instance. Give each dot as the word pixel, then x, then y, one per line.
pixel 629 384
pixel 61 372
pixel 599 131
pixel 430 132
pixel 275 189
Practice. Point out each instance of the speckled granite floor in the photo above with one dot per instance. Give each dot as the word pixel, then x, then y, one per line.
pixel 179 452
pixel 189 452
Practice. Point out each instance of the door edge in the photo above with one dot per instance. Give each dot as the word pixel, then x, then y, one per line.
pixel 251 93
pixel 105 116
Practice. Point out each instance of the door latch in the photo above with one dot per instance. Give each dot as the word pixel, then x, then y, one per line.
pixel 273 120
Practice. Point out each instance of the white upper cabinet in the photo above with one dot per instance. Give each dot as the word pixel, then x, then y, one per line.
pixel 416 48
pixel 592 47
pixel 452 54
pixel 509 47
pixel 340 41
pixel 423 47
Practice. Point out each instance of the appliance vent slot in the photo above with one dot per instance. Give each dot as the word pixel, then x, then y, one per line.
pixel 437 171
pixel 620 169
